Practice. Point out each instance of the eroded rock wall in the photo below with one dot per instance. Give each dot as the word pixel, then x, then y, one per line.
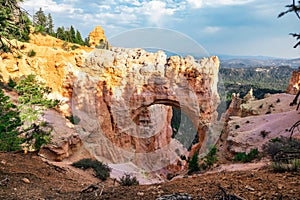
pixel 294 84
pixel 123 98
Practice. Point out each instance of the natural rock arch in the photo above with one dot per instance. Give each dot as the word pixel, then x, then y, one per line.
pixel 123 98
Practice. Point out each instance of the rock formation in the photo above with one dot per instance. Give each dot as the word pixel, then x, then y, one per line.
pixel 97 37
pixel 239 106
pixel 294 84
pixel 234 108
pixel 121 100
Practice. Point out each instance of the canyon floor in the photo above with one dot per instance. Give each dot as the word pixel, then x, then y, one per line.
pixel 30 177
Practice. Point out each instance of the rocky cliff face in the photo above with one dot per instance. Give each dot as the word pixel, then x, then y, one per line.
pixel 294 84
pixel 121 100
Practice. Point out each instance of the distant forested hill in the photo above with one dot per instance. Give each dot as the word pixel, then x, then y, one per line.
pixel 258 62
pixel 262 79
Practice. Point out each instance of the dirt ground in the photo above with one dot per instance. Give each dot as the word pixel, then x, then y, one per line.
pixel 29 177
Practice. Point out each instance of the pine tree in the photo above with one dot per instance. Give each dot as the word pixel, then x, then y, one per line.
pixel 60 33
pixel 79 38
pixel 49 27
pixel 14 23
pixel 40 19
pixel 72 35
pixel 193 164
pixel 10 121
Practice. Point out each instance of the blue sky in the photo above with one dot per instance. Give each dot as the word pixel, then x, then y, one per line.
pixel 235 27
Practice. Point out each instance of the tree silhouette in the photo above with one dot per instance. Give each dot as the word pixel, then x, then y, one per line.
pixel 294 7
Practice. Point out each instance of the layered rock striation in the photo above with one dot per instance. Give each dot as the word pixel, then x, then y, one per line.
pixel 123 99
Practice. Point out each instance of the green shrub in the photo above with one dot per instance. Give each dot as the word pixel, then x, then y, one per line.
pixel 73 119
pixel 210 158
pixel 237 126
pixel 39 29
pixel 73 47
pixel 285 154
pixel 277 139
pixel 193 165
pixel 31 53
pixel 4 48
pixel 246 157
pixel 101 170
pixel 24 118
pixel 283 149
pixel 11 83
pixel 10 122
pixel 32 92
pixel 128 180
pixel 38 135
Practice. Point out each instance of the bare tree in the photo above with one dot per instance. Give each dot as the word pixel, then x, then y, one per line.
pixel 295 8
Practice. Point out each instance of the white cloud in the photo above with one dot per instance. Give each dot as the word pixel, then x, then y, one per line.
pixel 156 10
pixel 50 6
pixel 212 29
pixel 195 3
pixel 215 3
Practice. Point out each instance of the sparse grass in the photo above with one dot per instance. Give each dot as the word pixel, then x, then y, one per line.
pixel 128 180
pixel 290 166
pixel 101 170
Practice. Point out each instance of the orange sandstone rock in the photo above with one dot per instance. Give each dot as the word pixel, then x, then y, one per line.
pixel 294 84
pixel 97 36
